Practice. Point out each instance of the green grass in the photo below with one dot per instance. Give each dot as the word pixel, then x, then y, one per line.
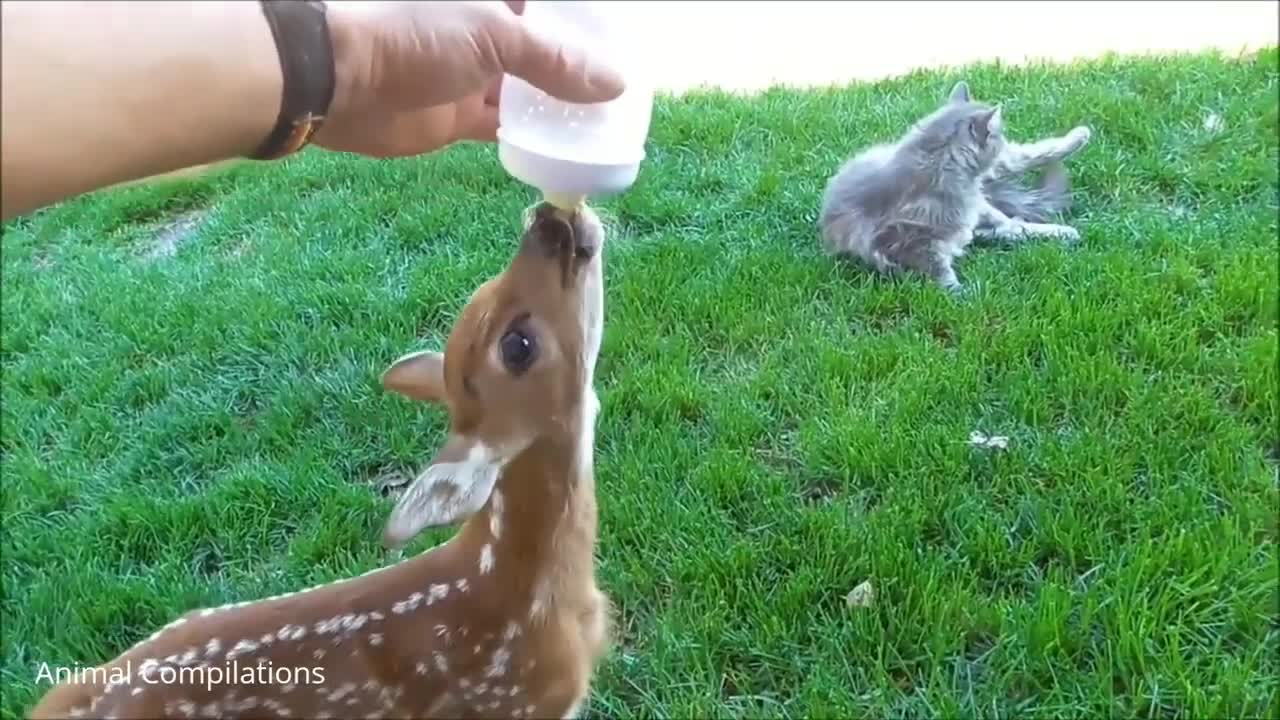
pixel 777 428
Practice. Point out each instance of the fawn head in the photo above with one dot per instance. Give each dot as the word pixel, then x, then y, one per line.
pixel 517 367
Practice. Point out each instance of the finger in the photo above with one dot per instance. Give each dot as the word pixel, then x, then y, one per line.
pixel 481 123
pixel 517 6
pixel 567 72
pixel 494 92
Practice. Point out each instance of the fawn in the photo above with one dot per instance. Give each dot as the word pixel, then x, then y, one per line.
pixel 502 620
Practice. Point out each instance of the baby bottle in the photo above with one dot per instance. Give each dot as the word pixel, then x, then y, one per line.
pixel 572 151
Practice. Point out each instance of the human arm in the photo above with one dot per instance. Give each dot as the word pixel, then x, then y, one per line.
pixel 97 93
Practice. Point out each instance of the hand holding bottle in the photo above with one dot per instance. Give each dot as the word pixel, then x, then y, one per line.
pixel 416 76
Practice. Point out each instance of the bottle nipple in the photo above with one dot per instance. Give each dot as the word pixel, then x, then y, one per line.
pixel 564 201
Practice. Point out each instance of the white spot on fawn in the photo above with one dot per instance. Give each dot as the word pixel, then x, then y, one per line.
pixel 498 663
pixel 486 559
pixel 342 691
pixel 461 584
pixel 441 664
pixel 495 514
pixel 541 599
pixel 375 639
pixel 241 648
pixel 437 591
pixel 409 604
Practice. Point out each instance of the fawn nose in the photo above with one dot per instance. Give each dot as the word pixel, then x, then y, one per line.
pixel 553 233
pixel 584 244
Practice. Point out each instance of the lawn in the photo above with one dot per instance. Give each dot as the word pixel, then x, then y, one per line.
pixel 192 416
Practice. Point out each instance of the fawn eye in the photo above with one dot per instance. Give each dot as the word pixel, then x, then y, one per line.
pixel 518 351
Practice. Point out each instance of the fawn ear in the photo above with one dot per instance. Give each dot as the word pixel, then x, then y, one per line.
pixel 454 486
pixel 959 93
pixel 419 376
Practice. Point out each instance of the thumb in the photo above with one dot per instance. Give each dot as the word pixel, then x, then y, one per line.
pixel 565 71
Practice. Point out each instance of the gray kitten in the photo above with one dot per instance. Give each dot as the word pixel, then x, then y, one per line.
pixel 917 204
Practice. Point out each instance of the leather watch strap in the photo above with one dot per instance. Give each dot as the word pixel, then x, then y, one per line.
pixel 301 33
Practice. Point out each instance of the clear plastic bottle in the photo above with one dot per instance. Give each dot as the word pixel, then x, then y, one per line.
pixel 572 151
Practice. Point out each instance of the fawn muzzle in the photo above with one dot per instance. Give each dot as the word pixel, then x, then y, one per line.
pixel 562 236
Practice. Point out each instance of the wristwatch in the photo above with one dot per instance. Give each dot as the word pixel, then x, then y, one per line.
pixel 301 33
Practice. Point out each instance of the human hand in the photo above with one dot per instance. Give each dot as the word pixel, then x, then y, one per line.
pixel 416 76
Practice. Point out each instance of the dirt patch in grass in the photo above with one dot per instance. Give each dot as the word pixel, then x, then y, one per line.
pixel 169 235
pixel 389 481
pixel 821 490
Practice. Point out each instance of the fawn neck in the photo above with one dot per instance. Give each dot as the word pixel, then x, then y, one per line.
pixel 538 531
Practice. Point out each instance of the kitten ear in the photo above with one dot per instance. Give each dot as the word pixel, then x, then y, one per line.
pixel 985 124
pixel 960 93
pixel 995 121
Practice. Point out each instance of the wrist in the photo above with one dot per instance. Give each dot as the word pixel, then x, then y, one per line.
pixel 263 80
pixel 350 61
pixel 304 48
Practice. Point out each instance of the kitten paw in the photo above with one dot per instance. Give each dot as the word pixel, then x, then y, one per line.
pixel 965 291
pixel 1078 137
pixel 951 284
pixel 1068 235
pixel 1010 231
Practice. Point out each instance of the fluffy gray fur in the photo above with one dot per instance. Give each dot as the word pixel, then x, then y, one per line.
pixel 916 204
